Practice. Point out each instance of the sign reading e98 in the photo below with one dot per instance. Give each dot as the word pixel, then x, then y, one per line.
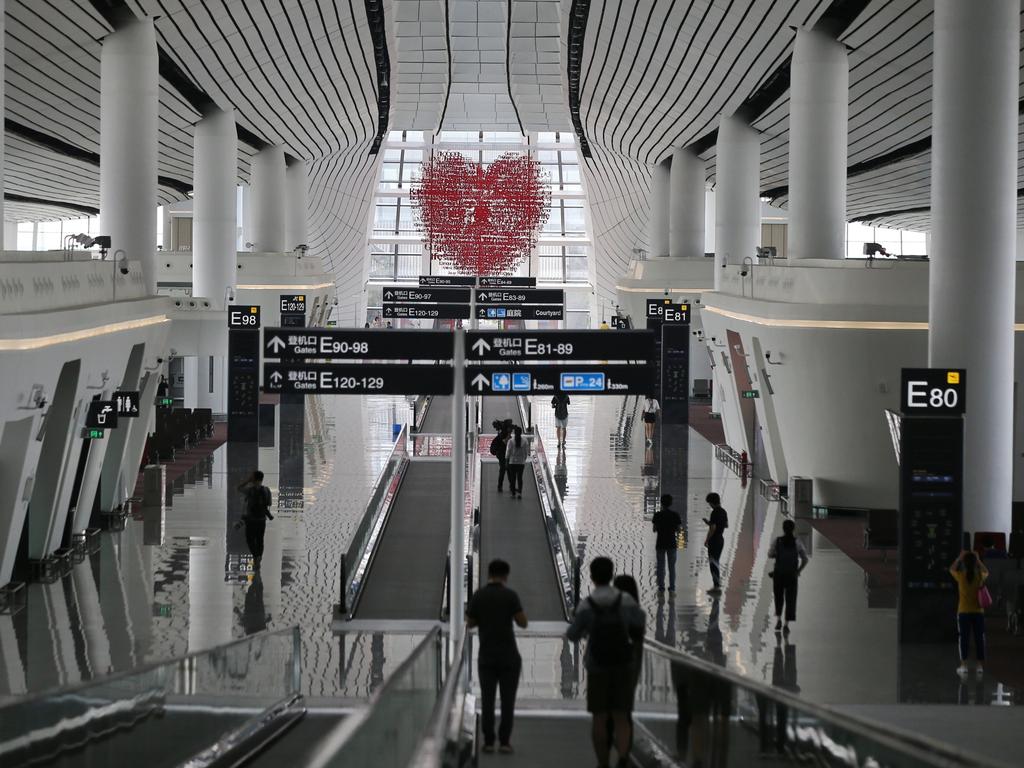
pixel 243 316
pixel 933 392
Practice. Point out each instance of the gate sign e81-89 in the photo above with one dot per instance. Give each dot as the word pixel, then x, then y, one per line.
pixel 933 392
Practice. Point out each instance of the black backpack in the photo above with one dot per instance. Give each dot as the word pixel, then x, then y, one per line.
pixel 609 638
pixel 787 558
pixel 497 446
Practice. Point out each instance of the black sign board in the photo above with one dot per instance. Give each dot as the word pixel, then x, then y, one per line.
pixel 521 312
pixel 656 307
pixel 520 296
pixel 293 321
pixel 931 521
pixel 619 322
pixel 243 385
pixel 413 295
pixel 102 414
pixel 356 379
pixel 675 373
pixel 245 317
pixel 427 311
pixel 441 280
pixel 933 391
pixel 559 345
pixel 491 281
pixel 548 379
pixel 675 314
pixel 358 343
pixel 127 404
pixel 293 303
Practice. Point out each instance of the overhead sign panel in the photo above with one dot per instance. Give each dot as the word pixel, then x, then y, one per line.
pixel 520 296
pixel 102 414
pixel 356 379
pixel 440 280
pixel 358 343
pixel 127 404
pixel 491 281
pixel 246 317
pixel 560 345
pixel 548 379
pixel 412 295
pixel 521 312
pixel 427 311
pixel 933 391
pixel 293 303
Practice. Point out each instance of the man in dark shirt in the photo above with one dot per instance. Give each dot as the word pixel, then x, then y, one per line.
pixel 257 512
pixel 717 522
pixel 666 523
pixel 493 608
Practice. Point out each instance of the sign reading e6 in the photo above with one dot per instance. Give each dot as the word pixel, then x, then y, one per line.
pixel 933 392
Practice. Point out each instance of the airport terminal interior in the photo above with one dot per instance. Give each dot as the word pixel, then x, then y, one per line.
pixel 327 325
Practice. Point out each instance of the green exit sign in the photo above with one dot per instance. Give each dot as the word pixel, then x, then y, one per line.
pixel 751 393
pixel 92 433
pixel 164 402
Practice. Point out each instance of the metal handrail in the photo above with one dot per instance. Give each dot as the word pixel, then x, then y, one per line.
pixel 335 741
pixel 910 743
pixel 355 561
pixel 442 730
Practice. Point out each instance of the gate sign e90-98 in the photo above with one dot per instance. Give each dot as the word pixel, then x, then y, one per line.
pixel 933 392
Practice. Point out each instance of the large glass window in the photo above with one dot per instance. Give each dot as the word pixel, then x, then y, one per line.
pixel 897 242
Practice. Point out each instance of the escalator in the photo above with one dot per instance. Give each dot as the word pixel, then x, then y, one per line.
pixel 438 419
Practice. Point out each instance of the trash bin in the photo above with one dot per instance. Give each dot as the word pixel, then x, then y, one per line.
pixel 153 486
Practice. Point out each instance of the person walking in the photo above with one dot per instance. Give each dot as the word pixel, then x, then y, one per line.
pixel 791 558
pixel 651 409
pixel 499 447
pixel 627 585
pixel 492 609
pixel 970 575
pixel 257 512
pixel 714 542
pixel 610 620
pixel 516 453
pixel 666 524
pixel 560 403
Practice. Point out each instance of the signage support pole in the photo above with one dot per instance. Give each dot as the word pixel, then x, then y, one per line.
pixel 456 585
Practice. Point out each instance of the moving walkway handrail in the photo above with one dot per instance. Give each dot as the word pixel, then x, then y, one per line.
pixel 332 750
pixel 563 549
pixel 88 711
pixel 441 736
pixel 355 563
pixel 818 728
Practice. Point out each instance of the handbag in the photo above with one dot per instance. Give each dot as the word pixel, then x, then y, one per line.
pixel 984 598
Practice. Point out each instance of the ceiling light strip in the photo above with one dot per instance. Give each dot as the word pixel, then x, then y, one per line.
pixel 279 286
pixel 38 342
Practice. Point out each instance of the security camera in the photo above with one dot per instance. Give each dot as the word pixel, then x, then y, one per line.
pixel 768 355
pixel 159 361
pixel 743 273
pixel 124 269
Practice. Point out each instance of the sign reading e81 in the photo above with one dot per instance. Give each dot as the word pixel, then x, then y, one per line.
pixel 933 391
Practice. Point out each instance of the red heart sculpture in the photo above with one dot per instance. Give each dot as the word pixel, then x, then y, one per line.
pixel 481 220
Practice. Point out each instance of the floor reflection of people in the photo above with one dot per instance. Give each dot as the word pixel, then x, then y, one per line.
pixel 713 642
pixel 665 633
pixel 784 666
pixel 561 474
pixel 254 616
pixel 773 716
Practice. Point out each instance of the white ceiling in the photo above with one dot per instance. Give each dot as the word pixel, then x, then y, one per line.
pixel 655 74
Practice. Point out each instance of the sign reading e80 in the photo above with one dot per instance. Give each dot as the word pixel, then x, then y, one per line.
pixel 933 392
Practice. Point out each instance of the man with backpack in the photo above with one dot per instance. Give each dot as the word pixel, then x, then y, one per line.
pixel 499 445
pixel 612 621
pixel 257 512
pixel 790 559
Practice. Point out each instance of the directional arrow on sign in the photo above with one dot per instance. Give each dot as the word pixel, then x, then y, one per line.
pixel 482 312
pixel 275 378
pixel 389 295
pixel 480 381
pixel 480 347
pixel 482 296
pixel 276 344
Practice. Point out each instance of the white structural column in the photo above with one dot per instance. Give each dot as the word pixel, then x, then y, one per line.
pixel 4 234
pixel 657 223
pixel 686 206
pixel 297 188
pixel 214 260
pixel 737 199
pixel 128 112
pixel 268 194
pixel 818 114
pixel 974 214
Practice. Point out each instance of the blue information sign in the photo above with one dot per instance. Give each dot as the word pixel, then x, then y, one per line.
pixel 582 382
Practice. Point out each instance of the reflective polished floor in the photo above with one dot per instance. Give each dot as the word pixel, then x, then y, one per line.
pixel 179 579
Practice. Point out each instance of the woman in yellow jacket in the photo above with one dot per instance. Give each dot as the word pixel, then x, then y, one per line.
pixel 970 575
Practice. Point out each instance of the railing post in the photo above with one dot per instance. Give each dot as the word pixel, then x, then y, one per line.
pixel 576 583
pixel 343 596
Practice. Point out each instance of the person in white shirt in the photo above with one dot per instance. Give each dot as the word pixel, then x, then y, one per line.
pixel 516 454
pixel 651 408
